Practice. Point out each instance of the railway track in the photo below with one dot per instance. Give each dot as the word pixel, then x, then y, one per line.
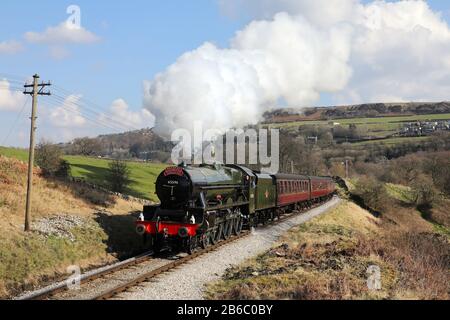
pixel 51 293
pixel 154 273
pixel 90 276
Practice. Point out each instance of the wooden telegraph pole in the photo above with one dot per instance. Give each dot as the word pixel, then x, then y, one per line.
pixel 37 91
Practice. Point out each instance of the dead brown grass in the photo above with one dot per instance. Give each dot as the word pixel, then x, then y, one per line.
pixel 28 259
pixel 328 258
pixel 423 261
pixel 49 196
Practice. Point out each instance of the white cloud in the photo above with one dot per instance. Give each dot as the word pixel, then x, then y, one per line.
pixel 120 115
pixel 10 100
pixel 64 33
pixel 68 115
pixel 57 37
pixel 10 47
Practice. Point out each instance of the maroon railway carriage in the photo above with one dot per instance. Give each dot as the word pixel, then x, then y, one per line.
pixel 292 189
pixel 296 189
pixel 321 187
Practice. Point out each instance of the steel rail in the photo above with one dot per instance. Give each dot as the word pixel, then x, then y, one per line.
pixel 88 277
pixel 151 274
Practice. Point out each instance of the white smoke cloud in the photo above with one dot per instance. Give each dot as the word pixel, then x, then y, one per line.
pixel 376 52
pixel 284 58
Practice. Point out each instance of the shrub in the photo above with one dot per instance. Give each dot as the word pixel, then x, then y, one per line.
pixel 424 191
pixel 118 175
pixel 49 159
pixel 63 170
pixel 372 192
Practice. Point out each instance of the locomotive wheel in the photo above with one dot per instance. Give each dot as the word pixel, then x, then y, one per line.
pixel 213 236
pixel 206 240
pixel 216 234
pixel 264 218
pixel 191 245
pixel 237 225
pixel 227 229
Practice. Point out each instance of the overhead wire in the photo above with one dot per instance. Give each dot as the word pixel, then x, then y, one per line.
pixel 15 121
pixel 83 107
pixel 73 111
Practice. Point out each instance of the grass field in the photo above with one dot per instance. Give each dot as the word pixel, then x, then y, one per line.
pixel 20 154
pixel 93 170
pixel 142 175
pixel 375 127
pixel 380 123
pixel 392 141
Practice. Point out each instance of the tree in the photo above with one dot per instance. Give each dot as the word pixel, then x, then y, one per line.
pixel 372 192
pixel 118 175
pixel 424 191
pixel 49 159
pixel 86 146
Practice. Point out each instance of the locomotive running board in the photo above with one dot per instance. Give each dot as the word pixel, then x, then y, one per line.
pixel 224 206
pixel 224 186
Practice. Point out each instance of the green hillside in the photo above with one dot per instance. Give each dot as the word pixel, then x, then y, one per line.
pixel 20 154
pixel 93 170
pixel 143 175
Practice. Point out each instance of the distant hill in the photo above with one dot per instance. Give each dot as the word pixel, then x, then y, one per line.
pixel 356 111
pixel 140 144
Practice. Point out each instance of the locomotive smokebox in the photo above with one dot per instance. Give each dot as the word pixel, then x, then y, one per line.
pixel 173 187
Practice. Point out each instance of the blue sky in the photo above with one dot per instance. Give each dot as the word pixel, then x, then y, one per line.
pixel 137 39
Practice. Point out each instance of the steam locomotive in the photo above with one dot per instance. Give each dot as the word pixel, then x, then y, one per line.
pixel 202 205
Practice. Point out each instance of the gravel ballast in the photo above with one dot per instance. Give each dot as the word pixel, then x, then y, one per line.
pixel 188 281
